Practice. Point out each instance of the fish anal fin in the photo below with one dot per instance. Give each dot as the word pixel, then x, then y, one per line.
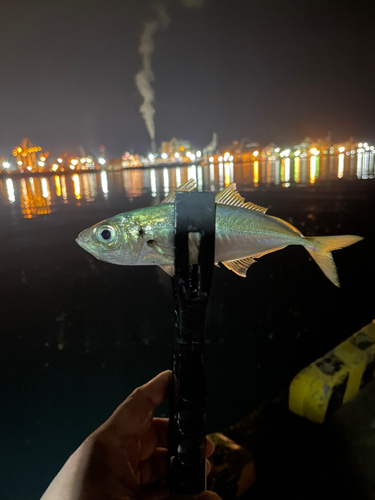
pixel 230 196
pixel 239 266
pixel 186 186
pixel 260 254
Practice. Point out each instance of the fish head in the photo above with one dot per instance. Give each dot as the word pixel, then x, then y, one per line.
pixel 116 240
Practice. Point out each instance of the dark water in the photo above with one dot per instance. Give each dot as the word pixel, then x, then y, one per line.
pixel 77 335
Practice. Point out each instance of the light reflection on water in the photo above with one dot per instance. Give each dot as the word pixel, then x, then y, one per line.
pixel 35 195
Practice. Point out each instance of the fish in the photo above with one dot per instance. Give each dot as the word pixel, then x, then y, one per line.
pixel 243 234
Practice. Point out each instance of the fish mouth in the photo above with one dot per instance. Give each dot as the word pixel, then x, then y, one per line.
pixel 84 241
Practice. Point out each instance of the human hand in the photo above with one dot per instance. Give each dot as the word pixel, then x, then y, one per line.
pixel 126 457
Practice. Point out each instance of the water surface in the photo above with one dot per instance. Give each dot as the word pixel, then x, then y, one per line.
pixel 78 334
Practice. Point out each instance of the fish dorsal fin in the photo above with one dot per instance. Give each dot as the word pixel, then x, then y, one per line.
pixel 230 196
pixel 186 186
pixel 239 266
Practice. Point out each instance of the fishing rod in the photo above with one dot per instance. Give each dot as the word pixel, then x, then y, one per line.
pixel 194 229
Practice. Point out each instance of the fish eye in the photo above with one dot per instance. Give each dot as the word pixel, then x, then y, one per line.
pixel 106 234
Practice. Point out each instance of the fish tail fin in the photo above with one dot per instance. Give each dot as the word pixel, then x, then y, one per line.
pixel 320 248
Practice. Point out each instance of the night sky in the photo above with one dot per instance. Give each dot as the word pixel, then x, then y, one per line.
pixel 268 70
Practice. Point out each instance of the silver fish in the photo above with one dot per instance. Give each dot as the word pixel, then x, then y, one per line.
pixel 243 233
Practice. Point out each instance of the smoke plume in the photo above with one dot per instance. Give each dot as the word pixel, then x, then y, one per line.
pixel 145 76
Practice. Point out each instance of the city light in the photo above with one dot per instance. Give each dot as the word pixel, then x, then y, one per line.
pixel 297 153
pixel 74 162
pixel 59 160
pixel 164 156
pixel 220 158
pixel 341 149
pixel 150 157
pixel 211 159
pixel 255 153
pixel 198 154
pixel 6 164
pixel 177 155
pixel 41 163
pixel 20 163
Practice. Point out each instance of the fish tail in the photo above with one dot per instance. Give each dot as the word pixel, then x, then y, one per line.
pixel 320 248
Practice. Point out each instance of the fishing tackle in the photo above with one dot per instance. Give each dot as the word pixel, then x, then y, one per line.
pixel 194 220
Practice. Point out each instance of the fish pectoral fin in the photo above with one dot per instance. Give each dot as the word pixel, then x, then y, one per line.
pixel 187 186
pixel 168 268
pixel 239 266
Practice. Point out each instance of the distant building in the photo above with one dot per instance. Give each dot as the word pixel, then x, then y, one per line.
pixel 174 146
pixel 270 150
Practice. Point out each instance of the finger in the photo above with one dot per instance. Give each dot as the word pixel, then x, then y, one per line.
pixel 135 414
pixel 161 426
pixel 159 492
pixel 210 447
pixel 155 467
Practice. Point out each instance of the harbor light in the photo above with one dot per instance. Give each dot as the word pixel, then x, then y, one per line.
pixel 55 167
pixel 297 153
pixel 164 156
pixel 102 160
pixel 74 162
pixel 211 159
pixel 150 157
pixel 199 154
pixel 255 153
pixel 41 163
pixel 43 158
pixel 341 149
pixel 20 163
pixel 314 151
pixel 285 153
pixel 231 158
pixel 59 160
pixel 192 157
pixel 188 154
pixel 220 158
pixel 6 164
pixel 177 155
